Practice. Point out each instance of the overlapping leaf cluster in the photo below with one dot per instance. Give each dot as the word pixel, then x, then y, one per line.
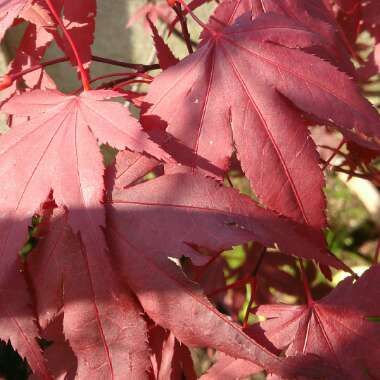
pixel 128 272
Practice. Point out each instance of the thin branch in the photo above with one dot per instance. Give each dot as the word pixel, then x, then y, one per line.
pixel 134 66
pixel 334 153
pixel 7 80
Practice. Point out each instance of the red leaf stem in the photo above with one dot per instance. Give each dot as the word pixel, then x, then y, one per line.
pixel 83 73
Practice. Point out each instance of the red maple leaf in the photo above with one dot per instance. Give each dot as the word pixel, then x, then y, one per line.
pixel 312 14
pixel 205 214
pixel 339 328
pixel 237 89
pixel 101 320
pixel 56 150
pixel 123 274
pixel 178 212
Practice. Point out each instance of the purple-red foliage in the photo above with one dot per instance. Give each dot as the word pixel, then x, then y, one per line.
pixel 128 271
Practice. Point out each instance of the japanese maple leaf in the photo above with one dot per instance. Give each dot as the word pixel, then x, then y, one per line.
pixel 312 14
pixel 201 212
pixel 308 12
pixel 237 89
pixel 101 320
pixel 338 328
pixel 55 150
pixel 175 210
